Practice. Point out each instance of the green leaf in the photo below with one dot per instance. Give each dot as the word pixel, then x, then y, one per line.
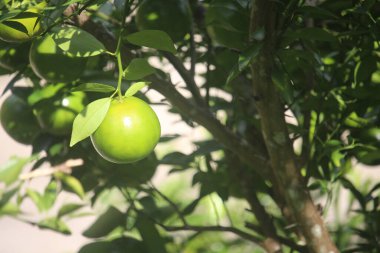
pixel 97 247
pixel 135 88
pixel 5 197
pixel 9 209
pixel 154 39
pixel 36 198
pixel 68 208
pixel 73 185
pixel 88 120
pixel 189 209
pixel 348 185
pixel 138 69
pixel 94 87
pixel 316 12
pixel 10 170
pixel 150 235
pixel 106 222
pixel 122 244
pixel 50 195
pixel 54 224
pixel 47 92
pixel 76 42
pixel 312 33
pixel 244 59
pixel 365 68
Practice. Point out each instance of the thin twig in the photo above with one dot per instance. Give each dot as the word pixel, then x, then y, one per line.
pixel 171 203
pixel 233 230
pixel 187 77
pixel 65 167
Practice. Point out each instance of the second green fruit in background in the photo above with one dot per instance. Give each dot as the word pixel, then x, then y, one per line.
pixel 56 115
pixel 49 62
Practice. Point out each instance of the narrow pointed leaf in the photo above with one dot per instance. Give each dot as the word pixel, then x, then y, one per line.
pixel 106 222
pixel 89 120
pixel 154 39
pixel 10 170
pixel 94 87
pixel 135 88
pixel 138 69
pixel 73 185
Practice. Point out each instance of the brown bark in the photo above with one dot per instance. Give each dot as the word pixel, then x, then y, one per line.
pixel 286 177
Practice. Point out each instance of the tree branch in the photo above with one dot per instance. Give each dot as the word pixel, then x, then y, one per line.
pixel 251 155
pixel 187 77
pixel 287 179
pixel 233 230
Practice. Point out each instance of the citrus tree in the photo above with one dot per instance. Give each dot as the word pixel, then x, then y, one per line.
pixel 287 91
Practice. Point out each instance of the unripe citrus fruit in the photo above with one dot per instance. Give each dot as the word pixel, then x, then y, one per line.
pixel 49 62
pixel 56 115
pixel 13 56
pixel 18 120
pixel 171 16
pixel 24 26
pixel 129 131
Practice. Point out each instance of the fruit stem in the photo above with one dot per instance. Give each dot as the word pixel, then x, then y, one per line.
pixel 119 65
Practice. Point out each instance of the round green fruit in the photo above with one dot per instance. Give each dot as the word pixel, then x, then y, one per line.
pixel 49 62
pixel 227 23
pixel 129 131
pixel 18 120
pixel 171 16
pixel 24 26
pixel 13 56
pixel 56 115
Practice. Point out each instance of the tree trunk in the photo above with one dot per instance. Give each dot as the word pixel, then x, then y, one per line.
pixel 286 177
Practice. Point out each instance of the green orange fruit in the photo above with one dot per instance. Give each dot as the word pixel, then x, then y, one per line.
pixel 129 131
pixel 49 62
pixel 18 120
pixel 13 56
pixel 24 26
pixel 171 16
pixel 56 115
pixel 227 23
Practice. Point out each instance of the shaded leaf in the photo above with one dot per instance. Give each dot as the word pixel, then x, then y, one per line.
pixel 244 59
pixel 94 87
pixel 138 69
pixel 106 222
pixel 47 92
pixel 150 235
pixel 154 39
pixel 311 33
pixel 358 196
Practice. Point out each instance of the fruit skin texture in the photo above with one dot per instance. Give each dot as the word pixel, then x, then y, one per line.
pixel 129 131
pixel 18 120
pixel 25 20
pixel 171 16
pixel 223 13
pixel 50 63
pixel 56 115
